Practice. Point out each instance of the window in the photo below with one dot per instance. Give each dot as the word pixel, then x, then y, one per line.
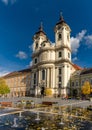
pixel 59 85
pixel 76 83
pixel 59 79
pixel 60 54
pixel 36 46
pixel 34 78
pixel 34 81
pixel 59 36
pixel 82 82
pixel 59 70
pixel 43 74
pixel 35 60
pixel 68 55
pixel 72 84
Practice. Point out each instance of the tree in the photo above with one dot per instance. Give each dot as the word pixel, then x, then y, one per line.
pixel 4 89
pixel 86 88
pixel 48 91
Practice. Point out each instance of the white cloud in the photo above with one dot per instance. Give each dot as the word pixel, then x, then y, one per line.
pixel 3 72
pixel 75 59
pixel 88 40
pixel 31 47
pixel 6 2
pixel 21 55
pixel 30 64
pixel 75 41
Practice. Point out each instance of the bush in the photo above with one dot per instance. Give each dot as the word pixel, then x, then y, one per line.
pixel 48 91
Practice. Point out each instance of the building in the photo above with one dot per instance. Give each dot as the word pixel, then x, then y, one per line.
pixel 19 83
pixel 78 78
pixel 51 63
pixel 51 67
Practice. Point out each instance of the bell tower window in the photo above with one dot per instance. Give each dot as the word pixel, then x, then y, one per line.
pixel 36 46
pixel 59 54
pixel 35 60
pixel 59 36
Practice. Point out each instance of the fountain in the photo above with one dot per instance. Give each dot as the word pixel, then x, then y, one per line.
pixel 37 117
pixel 76 113
pixel 59 111
pixel 43 128
pixel 47 118
pixel 15 123
pixel 61 123
pixel 20 115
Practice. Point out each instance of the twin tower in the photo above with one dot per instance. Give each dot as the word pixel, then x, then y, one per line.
pixel 51 63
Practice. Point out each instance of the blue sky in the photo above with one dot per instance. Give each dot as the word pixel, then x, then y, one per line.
pixel 20 19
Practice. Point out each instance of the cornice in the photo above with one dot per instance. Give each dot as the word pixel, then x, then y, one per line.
pixel 42 63
pixel 62 47
pixel 49 49
pixel 51 62
pixel 62 61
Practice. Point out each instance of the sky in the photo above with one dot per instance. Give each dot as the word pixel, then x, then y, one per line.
pixel 20 19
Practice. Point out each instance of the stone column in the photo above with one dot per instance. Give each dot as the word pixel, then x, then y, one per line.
pixel 51 78
pixel 39 76
pixel 47 77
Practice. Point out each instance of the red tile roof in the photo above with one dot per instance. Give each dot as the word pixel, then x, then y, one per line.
pixel 77 67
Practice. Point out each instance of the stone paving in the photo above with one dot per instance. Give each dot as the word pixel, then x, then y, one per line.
pixel 59 101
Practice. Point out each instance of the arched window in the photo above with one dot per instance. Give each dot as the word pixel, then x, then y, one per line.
pixel 36 45
pixel 59 36
pixel 43 74
pixel 59 54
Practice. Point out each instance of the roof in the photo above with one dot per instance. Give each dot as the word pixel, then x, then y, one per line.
pixel 77 67
pixel 76 73
pixel 61 20
pixel 17 72
pixel 86 71
pixel 40 31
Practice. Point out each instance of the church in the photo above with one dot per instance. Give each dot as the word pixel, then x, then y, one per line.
pixel 51 63
pixel 52 67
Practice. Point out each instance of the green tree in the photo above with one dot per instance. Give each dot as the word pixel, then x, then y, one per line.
pixel 4 89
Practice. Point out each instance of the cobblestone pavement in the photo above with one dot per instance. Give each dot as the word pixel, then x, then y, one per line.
pixel 59 101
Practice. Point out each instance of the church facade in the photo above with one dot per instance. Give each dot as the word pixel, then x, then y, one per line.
pixel 52 67
pixel 51 63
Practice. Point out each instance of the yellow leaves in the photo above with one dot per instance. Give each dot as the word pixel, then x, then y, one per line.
pixel 48 91
pixel 86 88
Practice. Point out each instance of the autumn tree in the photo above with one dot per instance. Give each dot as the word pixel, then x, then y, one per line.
pixel 4 89
pixel 86 88
pixel 48 92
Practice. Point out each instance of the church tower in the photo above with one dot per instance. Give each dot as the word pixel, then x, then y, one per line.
pixel 63 56
pixel 38 38
pixel 62 33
